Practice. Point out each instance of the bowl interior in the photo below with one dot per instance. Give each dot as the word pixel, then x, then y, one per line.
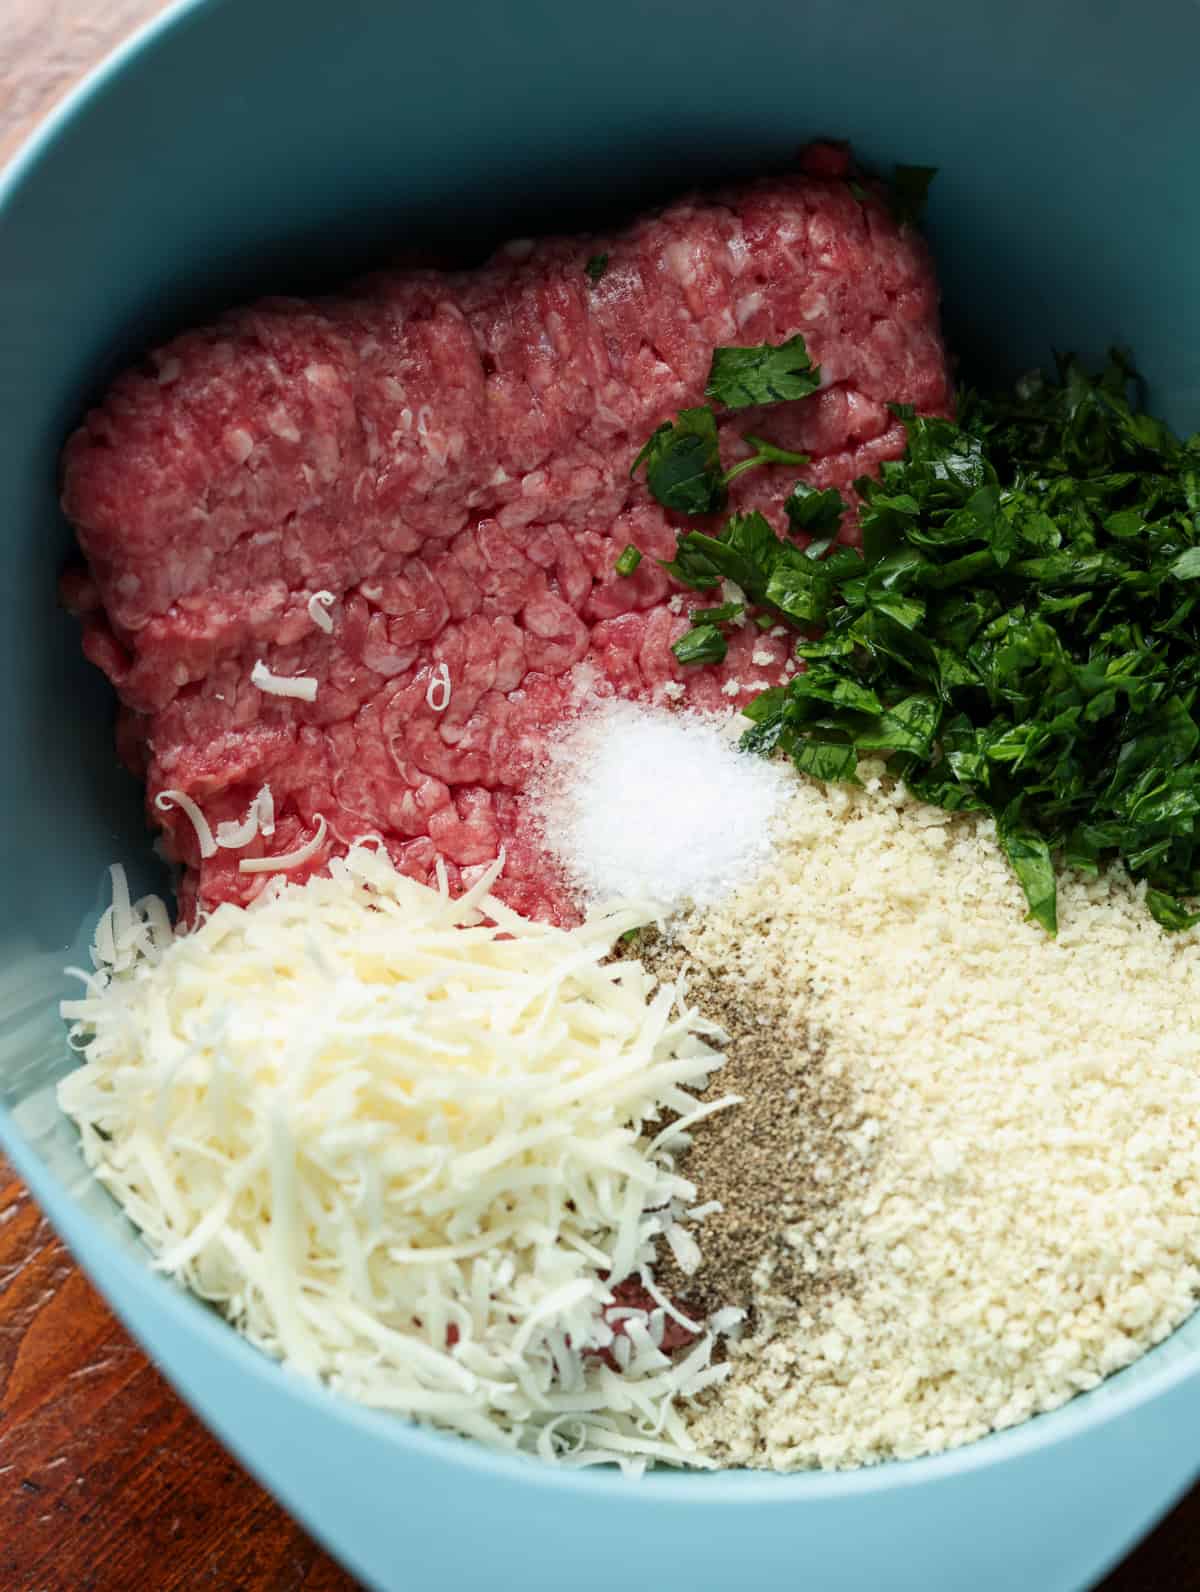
pixel 252 145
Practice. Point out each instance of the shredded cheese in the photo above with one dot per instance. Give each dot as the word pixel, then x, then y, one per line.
pixel 405 1143
pixel 319 605
pixel 438 691
pixel 166 799
pixel 287 859
pixel 128 932
pixel 301 686
pixel 685 1249
pixel 260 818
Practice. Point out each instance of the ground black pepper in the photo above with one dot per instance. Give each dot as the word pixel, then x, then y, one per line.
pixel 779 1163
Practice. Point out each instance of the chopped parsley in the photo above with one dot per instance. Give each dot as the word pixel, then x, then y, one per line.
pixel 1021 632
pixel 705 641
pixel 766 374
pixel 764 453
pixel 700 644
pixel 682 457
pixel 717 616
pixel 629 560
pixel 746 552
pixel 683 463
pixel 813 511
pixel 596 267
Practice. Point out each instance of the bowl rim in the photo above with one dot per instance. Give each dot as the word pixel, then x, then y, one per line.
pixel 759 1488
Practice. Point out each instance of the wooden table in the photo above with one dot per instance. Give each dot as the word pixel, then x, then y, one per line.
pixel 107 1482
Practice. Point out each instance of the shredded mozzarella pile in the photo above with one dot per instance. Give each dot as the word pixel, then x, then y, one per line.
pixel 402 1141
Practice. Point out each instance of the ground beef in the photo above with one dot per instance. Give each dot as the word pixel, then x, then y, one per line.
pixel 448 455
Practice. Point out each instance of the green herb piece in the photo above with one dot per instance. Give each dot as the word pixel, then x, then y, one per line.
pixel 596 266
pixel 1030 859
pixel 691 565
pixel 702 644
pixel 723 615
pixel 814 511
pixel 828 760
pixel 797 588
pixel 682 457
pixel 767 455
pixel 683 463
pixel 705 642
pixel 764 453
pixel 628 560
pixel 1021 632
pixel 856 188
pixel 1170 912
pixel 1187 565
pixel 910 189
pixel 910 726
pixel 766 374
pixel 770 454
pixel 744 553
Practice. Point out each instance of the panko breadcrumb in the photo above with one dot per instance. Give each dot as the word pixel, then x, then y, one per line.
pixel 1031 1216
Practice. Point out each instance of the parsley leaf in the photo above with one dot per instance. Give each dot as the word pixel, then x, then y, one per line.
pixel 744 552
pixel 764 453
pixel 772 454
pixel 682 457
pixel 691 565
pixel 705 641
pixel 683 463
pixel 766 374
pixel 596 267
pixel 813 511
pixel 701 644
pixel 673 451
pixel 723 615
pixel 1165 909
pixel 1030 858
pixel 828 760
pixel 1187 565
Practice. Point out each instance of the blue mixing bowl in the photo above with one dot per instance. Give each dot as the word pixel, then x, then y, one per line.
pixel 241 145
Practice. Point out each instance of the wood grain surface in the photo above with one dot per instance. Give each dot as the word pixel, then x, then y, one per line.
pixel 107 1482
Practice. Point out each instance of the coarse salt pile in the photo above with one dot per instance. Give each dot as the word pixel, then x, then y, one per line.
pixel 646 803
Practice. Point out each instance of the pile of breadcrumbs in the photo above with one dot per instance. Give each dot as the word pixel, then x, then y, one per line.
pixel 1019 1179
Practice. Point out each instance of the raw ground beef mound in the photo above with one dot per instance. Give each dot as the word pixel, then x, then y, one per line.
pixel 448 455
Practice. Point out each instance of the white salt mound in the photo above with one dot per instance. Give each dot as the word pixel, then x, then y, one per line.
pixel 641 801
